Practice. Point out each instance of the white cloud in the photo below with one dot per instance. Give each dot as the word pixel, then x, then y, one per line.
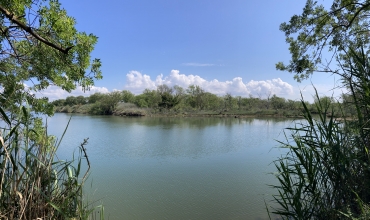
pixel 55 92
pixel 137 82
pixel 269 87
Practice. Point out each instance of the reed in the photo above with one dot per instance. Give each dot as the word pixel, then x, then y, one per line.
pixel 34 184
pixel 325 173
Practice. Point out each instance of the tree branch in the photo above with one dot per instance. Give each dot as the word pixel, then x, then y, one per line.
pixel 29 30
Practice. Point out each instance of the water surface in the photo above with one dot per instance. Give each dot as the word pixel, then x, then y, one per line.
pixel 176 168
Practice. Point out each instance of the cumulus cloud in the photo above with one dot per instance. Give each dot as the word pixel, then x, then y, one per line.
pixel 55 92
pixel 274 86
pixel 137 82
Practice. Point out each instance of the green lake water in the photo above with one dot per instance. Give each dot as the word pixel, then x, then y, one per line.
pixel 176 168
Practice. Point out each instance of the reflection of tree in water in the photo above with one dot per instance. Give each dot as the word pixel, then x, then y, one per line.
pixel 196 122
pixel 193 137
pixel 183 122
pixel 160 137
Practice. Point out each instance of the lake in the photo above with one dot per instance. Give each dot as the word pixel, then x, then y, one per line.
pixel 176 168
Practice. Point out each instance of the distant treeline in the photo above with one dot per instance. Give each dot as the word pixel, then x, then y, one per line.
pixel 193 100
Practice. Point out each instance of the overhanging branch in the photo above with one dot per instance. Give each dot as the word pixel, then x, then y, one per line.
pixel 29 30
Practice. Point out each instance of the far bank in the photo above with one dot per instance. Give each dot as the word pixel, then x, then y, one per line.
pixel 189 103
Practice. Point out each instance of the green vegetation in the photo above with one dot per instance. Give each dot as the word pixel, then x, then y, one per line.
pixel 326 171
pixel 39 46
pixel 191 101
pixel 34 184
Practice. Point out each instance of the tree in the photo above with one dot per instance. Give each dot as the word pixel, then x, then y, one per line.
pixel 151 97
pixel 59 102
pixel 140 101
pixel 293 105
pixel 128 96
pixel 106 104
pixel 228 99
pixel 322 37
pixel 168 100
pixel 213 102
pixel 81 100
pixel 40 44
pixel 163 89
pixel 277 102
pixel 196 96
pixel 179 91
pixel 348 104
pixel 325 101
pixel 239 101
pixel 95 97
pixel 71 100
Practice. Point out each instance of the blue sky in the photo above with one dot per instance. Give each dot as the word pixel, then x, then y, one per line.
pixel 224 46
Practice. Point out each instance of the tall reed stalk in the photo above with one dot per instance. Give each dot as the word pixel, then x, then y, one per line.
pixel 34 184
pixel 325 173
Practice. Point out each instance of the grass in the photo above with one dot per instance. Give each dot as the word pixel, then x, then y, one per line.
pixel 325 173
pixel 34 184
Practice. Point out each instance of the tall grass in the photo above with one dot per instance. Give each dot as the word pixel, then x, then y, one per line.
pixel 34 184
pixel 325 173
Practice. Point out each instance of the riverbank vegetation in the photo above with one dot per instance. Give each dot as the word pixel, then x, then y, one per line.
pixel 325 173
pixel 193 101
pixel 40 47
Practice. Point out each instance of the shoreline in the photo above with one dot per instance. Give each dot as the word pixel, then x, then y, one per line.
pixel 191 115
pixel 203 115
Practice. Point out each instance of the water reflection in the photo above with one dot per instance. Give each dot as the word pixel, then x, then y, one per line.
pixel 164 137
pixel 177 168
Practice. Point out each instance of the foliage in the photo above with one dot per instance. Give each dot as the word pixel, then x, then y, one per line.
pixel 178 100
pixel 58 102
pixel 229 101
pixel 71 100
pixel 326 173
pixel 321 36
pixel 127 96
pixel 33 184
pixel 168 99
pixel 106 104
pixel 149 98
pixel 40 46
pixel 277 102
pixel 196 97
pixel 95 97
